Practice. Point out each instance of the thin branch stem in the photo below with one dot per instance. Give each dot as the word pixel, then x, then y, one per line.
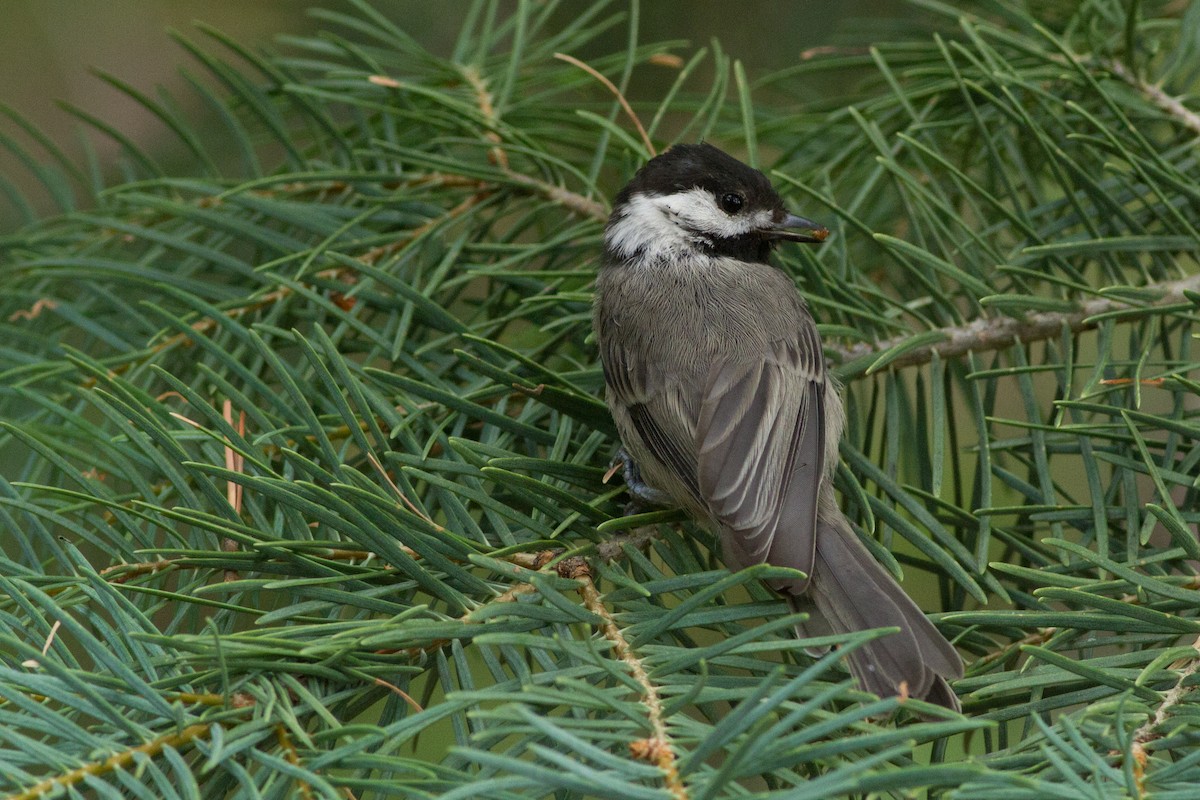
pixel 572 201
pixel 122 760
pixel 657 749
pixel 293 757
pixel 1154 94
pixel 1148 732
pixel 612 87
pixel 997 333
pixel 487 107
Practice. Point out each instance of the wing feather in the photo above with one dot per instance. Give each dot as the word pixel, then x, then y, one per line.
pixel 668 449
pixel 649 405
pixel 760 455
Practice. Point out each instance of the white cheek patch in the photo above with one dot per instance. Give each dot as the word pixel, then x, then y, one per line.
pixel 663 225
pixel 697 210
pixel 647 229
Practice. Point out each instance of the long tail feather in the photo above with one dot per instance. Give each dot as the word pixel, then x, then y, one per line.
pixel 849 592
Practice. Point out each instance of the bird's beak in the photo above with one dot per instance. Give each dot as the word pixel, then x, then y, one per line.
pixel 798 229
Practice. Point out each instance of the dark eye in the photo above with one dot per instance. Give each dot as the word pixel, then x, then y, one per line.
pixel 732 202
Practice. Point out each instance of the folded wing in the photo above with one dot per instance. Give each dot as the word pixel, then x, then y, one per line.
pixel 760 455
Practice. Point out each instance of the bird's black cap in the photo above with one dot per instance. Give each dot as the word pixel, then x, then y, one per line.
pixel 687 166
pixel 690 166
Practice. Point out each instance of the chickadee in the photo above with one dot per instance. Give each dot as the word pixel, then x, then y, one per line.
pixel 717 382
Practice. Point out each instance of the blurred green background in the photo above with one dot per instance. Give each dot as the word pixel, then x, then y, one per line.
pixel 49 50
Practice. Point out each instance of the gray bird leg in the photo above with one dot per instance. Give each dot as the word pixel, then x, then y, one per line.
pixel 642 493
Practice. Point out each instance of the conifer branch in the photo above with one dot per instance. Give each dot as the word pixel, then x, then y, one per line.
pixel 658 748
pixel 122 760
pixel 997 333
pixel 1173 107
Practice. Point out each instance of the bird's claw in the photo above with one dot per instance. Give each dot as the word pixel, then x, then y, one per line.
pixel 643 494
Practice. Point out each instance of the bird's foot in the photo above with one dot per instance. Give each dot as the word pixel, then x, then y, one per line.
pixel 643 494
